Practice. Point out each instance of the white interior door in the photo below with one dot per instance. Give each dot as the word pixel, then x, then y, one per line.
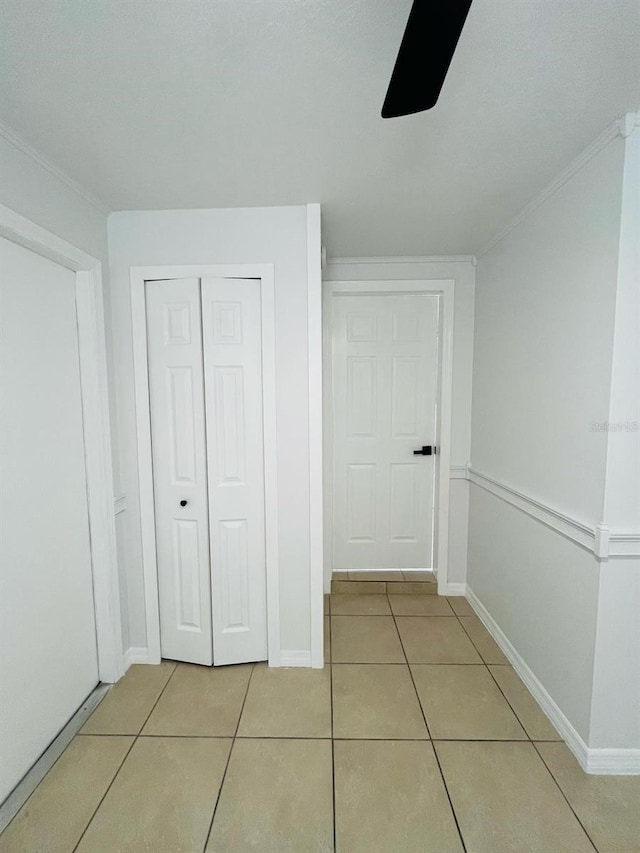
pixel 48 656
pixel 385 381
pixel 231 324
pixel 176 390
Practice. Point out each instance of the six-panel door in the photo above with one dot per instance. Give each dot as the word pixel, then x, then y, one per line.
pixel 385 383
pixel 176 392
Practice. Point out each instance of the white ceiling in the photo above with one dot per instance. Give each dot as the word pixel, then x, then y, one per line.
pixel 223 103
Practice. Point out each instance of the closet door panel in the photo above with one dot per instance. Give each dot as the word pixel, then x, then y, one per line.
pixel 231 326
pixel 174 333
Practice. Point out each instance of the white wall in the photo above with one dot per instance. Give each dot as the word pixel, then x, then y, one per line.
pixel 545 334
pixel 462 271
pixel 251 235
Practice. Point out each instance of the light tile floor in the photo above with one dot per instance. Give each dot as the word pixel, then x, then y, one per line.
pixel 416 736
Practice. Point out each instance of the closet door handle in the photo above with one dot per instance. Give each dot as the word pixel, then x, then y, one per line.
pixel 183 503
pixel 424 451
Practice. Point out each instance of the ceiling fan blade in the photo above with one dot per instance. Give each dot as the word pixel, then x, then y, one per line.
pixel 427 47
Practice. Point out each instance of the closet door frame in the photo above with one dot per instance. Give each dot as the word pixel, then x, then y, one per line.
pixel 265 274
pixel 96 428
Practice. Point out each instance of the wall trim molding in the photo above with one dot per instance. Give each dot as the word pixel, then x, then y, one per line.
pixel 458 472
pixel 13 139
pixel 296 657
pixel 595 761
pixel 598 540
pixel 405 259
pixel 452 589
pixel 137 654
pixel 316 496
pixel 618 129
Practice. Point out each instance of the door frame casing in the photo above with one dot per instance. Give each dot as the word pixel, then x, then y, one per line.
pixel 96 416
pixel 138 278
pixel 444 288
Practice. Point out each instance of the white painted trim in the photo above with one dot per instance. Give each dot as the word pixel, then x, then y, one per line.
pixel 445 288
pixel 316 529
pixel 296 657
pixel 96 424
pixel 13 139
pixel 596 539
pixel 615 131
pixel 407 259
pixel 453 589
pixel 138 277
pixel 137 654
pixel 577 531
pixel 458 472
pixel 628 123
pixel 595 761
pixel 119 504
pixel 624 545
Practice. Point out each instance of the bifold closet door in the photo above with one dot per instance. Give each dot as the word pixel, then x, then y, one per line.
pixel 232 335
pixel 176 389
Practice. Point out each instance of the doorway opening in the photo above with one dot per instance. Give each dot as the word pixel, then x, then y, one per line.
pixel 388 365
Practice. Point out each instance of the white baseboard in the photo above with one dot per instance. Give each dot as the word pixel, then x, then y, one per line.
pixel 295 657
pixel 452 589
pixel 612 762
pixel 135 654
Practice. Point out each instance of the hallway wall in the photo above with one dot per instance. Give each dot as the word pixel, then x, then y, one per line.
pixel 545 332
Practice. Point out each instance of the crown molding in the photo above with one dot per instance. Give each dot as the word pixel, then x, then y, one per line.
pixel 13 139
pixel 405 259
pixel 628 123
pixel 620 129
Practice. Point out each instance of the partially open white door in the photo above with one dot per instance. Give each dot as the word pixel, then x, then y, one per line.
pixel 176 390
pixel 385 381
pixel 205 383
pixel 48 656
pixel 231 325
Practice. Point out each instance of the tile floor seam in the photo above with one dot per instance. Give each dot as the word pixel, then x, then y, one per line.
pixel 333 752
pixel 424 717
pixel 529 738
pixel 121 765
pixel 226 766
pixel 495 681
pixel 564 796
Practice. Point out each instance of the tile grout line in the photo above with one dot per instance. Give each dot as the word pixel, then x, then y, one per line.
pixel 226 766
pixel 529 739
pixel 126 755
pixel 424 717
pixel 564 796
pixel 333 750
pixel 495 681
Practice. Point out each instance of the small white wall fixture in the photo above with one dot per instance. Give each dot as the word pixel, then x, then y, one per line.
pixel 96 422
pixel 138 277
pixel 444 288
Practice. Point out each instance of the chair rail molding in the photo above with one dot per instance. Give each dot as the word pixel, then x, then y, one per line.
pixel 597 539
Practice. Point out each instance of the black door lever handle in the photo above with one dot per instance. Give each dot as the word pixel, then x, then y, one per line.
pixel 424 451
